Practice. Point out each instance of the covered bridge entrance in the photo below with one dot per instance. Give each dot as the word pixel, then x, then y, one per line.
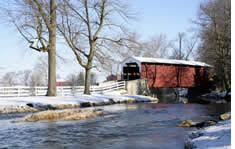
pixel 131 71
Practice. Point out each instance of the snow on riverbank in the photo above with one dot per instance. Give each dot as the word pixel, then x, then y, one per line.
pixel 19 104
pixel 216 137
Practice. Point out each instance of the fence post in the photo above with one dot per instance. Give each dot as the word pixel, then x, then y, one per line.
pixel 117 84
pixel 62 91
pixel 36 91
pixel 18 92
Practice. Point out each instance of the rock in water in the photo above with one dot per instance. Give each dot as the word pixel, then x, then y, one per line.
pixel 29 104
pixel 187 123
pixel 225 116
pixel 206 123
pixel 85 104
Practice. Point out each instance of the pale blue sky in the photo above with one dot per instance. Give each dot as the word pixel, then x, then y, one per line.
pixel 165 16
pixel 155 17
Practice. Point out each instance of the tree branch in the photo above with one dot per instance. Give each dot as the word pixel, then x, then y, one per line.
pixel 101 20
pixel 73 48
pixel 88 21
pixel 43 14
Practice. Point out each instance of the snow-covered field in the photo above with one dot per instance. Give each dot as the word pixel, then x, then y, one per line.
pixel 11 104
pixel 214 137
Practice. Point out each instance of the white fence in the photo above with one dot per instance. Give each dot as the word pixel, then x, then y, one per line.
pixel 21 91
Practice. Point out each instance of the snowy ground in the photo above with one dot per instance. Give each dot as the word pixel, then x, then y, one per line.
pixel 214 137
pixel 11 104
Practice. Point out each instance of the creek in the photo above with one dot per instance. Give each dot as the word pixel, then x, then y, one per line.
pixel 124 126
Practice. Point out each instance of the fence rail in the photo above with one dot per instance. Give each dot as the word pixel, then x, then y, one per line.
pixel 21 91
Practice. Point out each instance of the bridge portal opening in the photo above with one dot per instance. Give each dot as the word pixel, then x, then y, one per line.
pixel 131 71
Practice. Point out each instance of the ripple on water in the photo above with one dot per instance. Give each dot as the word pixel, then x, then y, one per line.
pixel 144 125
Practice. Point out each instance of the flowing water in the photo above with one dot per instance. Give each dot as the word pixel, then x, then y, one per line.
pixel 124 126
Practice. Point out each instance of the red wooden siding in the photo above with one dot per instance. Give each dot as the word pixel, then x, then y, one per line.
pixel 160 75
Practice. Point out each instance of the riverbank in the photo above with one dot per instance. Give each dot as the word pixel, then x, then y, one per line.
pixel 214 97
pixel 217 136
pixel 40 103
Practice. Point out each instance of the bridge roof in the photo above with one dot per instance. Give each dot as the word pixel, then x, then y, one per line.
pixel 140 60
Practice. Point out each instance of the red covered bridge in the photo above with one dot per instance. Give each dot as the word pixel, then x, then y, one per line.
pixel 166 72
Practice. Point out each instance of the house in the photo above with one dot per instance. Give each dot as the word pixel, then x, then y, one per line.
pixel 111 77
pixel 166 73
pixel 60 82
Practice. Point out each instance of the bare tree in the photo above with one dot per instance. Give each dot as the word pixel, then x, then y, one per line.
pixel 36 22
pixel 37 77
pixel 81 79
pixel 183 46
pixel 40 73
pixel 24 77
pixel 214 22
pixel 9 79
pixel 157 47
pixel 89 26
pixel 77 79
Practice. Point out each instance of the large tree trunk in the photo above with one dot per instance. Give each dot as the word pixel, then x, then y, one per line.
pixel 52 51
pixel 52 73
pixel 88 68
pixel 87 81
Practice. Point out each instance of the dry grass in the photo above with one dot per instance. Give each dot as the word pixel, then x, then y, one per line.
pixel 66 106
pixel 62 115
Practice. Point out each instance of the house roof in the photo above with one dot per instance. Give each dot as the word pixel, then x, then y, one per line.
pixel 140 60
